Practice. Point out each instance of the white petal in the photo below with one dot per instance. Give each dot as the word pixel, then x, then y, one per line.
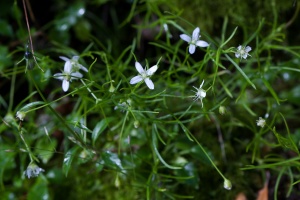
pixel 139 68
pixel 149 83
pixel 185 37
pixel 245 56
pixel 202 43
pixel 237 55
pixel 248 49
pixel 76 75
pixel 64 58
pixel 65 85
pixel 152 70
pixel 192 48
pixel 75 58
pixel 68 67
pixel 59 76
pixel 196 34
pixel 136 79
pixel 239 47
pixel 83 68
pixel 201 84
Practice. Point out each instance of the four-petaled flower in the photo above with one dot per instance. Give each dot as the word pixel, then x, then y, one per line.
pixel 200 93
pixel 74 62
pixel 33 170
pixel 242 51
pixel 261 122
pixel 144 75
pixel 67 75
pixel 194 40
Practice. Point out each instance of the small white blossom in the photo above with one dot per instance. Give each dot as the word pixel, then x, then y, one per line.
pixel 67 76
pixel 194 40
pixel 74 62
pixel 261 122
pixel 33 170
pixel 200 93
pixel 227 184
pixel 144 75
pixel 20 115
pixel 243 51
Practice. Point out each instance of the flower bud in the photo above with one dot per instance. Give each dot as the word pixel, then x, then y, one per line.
pixel 21 115
pixel 111 88
pixel 227 184
pixel 222 110
pixel 136 124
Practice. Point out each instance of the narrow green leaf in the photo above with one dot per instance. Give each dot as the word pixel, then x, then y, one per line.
pixel 112 160
pixel 241 71
pixel 30 105
pixel 230 37
pixel 68 160
pixel 286 142
pixel 267 84
pixel 158 155
pixel 99 128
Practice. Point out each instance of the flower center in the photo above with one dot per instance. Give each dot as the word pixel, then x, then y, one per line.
pixel 201 93
pixel 194 41
pixel 144 75
pixel 67 76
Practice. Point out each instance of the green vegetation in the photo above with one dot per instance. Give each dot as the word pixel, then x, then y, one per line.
pixel 107 99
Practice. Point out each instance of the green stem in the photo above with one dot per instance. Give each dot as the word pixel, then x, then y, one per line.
pixel 208 157
pixel 121 133
pixel 27 147
pixel 55 113
pixel 97 100
pixel 12 89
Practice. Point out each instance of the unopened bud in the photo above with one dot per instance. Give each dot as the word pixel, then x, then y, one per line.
pixel 227 184
pixel 222 110
pixel 21 115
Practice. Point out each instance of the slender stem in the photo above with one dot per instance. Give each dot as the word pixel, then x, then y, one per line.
pixel 121 133
pixel 12 89
pixel 27 147
pixel 30 38
pixel 212 162
pixel 82 81
pixel 28 27
pixel 55 113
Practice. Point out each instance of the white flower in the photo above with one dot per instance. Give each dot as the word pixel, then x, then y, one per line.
pixel 33 170
pixel 74 62
pixel 261 122
pixel 67 76
pixel 194 41
pixel 242 51
pixel 199 93
pixel 144 75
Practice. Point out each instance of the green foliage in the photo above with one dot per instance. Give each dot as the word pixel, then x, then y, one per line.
pixel 89 127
